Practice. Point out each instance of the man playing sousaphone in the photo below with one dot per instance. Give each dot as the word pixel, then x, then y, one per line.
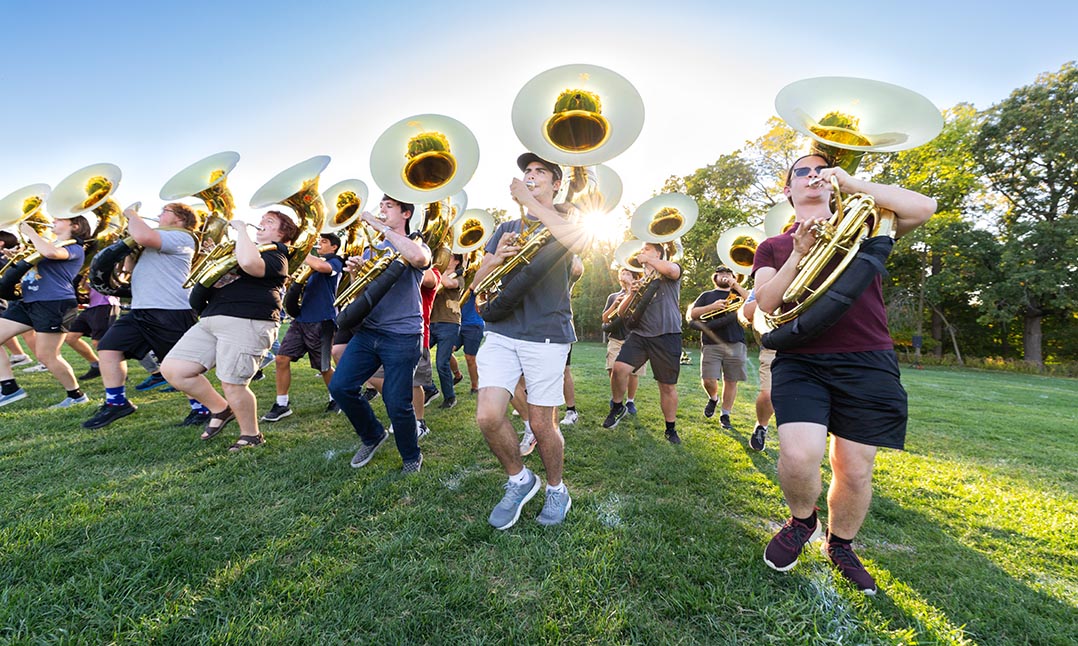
pixel 533 340
pixel 844 382
pixel 160 312
pixel 723 352
pixel 654 336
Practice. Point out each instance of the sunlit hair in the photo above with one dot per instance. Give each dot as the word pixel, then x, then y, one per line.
pixel 184 212
pixel 285 226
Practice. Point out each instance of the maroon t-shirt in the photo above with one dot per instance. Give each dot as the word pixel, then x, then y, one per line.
pixel 862 328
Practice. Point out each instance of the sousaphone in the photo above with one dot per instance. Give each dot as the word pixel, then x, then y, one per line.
pixel 90 189
pixel 26 204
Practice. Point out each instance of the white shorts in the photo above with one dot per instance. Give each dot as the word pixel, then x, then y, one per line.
pixel 501 362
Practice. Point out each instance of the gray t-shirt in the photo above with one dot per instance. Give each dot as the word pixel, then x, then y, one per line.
pixel 157 280
pixel 663 315
pixel 544 315
pixel 401 310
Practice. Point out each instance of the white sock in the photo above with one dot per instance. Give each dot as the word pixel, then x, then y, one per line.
pixel 560 488
pixel 282 400
pixel 714 399
pixel 726 412
pixel 527 427
pixel 18 357
pixel 521 477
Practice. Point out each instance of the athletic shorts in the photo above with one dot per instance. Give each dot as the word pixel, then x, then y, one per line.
pixel 471 336
pixel 723 360
pixel 47 317
pixel 423 374
pixel 235 346
pixel 140 331
pixel 613 347
pixel 502 360
pixel 663 351
pixel 95 321
pixel 313 339
pixel 766 357
pixel 857 395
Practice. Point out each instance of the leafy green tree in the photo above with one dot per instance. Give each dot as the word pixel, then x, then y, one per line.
pixel 1028 148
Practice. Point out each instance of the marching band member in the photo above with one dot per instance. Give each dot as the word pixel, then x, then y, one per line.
pixel 821 387
pixel 94 322
pixel 445 318
pixel 656 337
pixel 391 336
pixel 764 409
pixel 48 306
pixel 160 313
pixel 238 326
pixel 533 341
pixel 471 335
pixel 723 352
pixel 615 338
pixel 312 331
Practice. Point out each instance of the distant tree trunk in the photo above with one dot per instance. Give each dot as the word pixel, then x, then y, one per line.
pixel 1032 338
pixel 937 320
pixel 950 330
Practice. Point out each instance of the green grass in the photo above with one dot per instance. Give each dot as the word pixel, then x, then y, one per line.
pixel 140 532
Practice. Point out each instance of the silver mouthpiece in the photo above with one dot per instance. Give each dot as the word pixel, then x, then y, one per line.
pixel 530 183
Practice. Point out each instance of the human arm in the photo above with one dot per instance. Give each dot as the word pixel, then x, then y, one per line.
pixel 46 248
pixel 911 208
pixel 141 232
pixel 250 261
pixel 571 235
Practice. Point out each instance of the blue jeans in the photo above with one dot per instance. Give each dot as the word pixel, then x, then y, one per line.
pixel 367 350
pixel 444 335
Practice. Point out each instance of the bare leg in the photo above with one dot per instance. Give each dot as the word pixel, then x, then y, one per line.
pixel 634 383
pixel 497 430
pixel 520 400
pixel 729 394
pixel 764 409
pixel 189 377
pixel 74 339
pixel 619 381
pixel 668 401
pixel 113 368
pixel 850 493
pixel 244 406
pixel 568 389
pixel 473 371
pixel 8 330
pixel 48 353
pixel 283 374
pixel 550 441
pixel 801 449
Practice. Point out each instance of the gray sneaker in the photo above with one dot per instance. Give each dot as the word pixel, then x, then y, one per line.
pixel 68 402
pixel 506 512
pixel 556 506
pixel 365 453
pixel 13 397
pixel 412 466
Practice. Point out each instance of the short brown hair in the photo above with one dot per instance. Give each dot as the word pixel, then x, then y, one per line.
pixel 286 226
pixel 80 228
pixel 181 210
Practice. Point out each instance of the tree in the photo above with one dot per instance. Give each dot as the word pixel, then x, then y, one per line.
pixel 1028 148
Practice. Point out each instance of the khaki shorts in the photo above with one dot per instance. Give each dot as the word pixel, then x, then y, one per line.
pixel 723 360
pixel 422 375
pixel 613 347
pixel 234 345
pixel 766 357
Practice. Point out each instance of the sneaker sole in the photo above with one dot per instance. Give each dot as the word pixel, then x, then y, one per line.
pixel 525 452
pixel 267 418
pixel 815 535
pixel 149 388
pixel 122 415
pixel 568 506
pixel 520 507
pixel 15 398
pixel 371 456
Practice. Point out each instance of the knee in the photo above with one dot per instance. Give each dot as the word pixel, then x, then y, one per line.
pixel 171 372
pixel 282 362
pixel 488 419
pixel 338 388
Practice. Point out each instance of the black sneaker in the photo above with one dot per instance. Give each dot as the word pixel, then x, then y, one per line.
pixel 617 411
pixel 449 403
pixel 473 391
pixel 277 413
pixel 709 408
pixel 109 413
pixel 429 396
pixel 333 407
pixel 785 546
pixel 370 394
pixel 93 373
pixel 259 376
pixel 847 563
pixel 197 418
pixel 457 378
pixel 759 436
pixel 672 437
pixel 724 419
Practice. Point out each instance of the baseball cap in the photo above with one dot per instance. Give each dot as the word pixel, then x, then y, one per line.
pixel 527 158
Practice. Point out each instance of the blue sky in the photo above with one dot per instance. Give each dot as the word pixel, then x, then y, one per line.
pixel 153 87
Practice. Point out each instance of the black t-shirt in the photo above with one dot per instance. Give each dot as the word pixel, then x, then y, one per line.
pixel 244 296
pixel 723 326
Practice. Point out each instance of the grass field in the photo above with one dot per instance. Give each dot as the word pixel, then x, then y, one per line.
pixel 140 532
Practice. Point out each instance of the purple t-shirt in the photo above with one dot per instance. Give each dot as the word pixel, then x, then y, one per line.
pixel 862 328
pixel 97 298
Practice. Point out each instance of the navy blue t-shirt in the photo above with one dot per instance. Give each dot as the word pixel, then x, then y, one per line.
pixel 320 292
pixel 52 280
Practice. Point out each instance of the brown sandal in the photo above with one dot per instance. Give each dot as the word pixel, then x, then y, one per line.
pixel 247 441
pixel 225 416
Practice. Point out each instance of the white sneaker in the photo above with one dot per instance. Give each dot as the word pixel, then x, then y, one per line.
pixel 18 360
pixel 37 367
pixel 570 418
pixel 68 402
pixel 527 445
pixel 421 430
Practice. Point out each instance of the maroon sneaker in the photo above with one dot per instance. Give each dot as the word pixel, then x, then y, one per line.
pixel 843 558
pixel 785 546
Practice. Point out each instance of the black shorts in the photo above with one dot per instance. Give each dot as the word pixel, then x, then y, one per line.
pixel 95 321
pixel 857 395
pixel 312 339
pixel 47 317
pixel 569 356
pixel 663 351
pixel 137 333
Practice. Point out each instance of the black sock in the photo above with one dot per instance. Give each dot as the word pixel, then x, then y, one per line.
pixel 8 386
pixel 833 538
pixel 810 521
pixel 570 408
pixel 75 394
pixel 617 407
pixel 670 427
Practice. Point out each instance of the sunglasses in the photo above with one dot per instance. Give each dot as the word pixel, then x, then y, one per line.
pixel 804 171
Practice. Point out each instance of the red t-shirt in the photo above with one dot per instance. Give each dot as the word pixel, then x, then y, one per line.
pixel 862 328
pixel 427 296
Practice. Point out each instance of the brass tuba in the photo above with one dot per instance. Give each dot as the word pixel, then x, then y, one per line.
pixel 89 189
pixel 846 117
pixel 26 204
pixel 736 249
pixel 422 159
